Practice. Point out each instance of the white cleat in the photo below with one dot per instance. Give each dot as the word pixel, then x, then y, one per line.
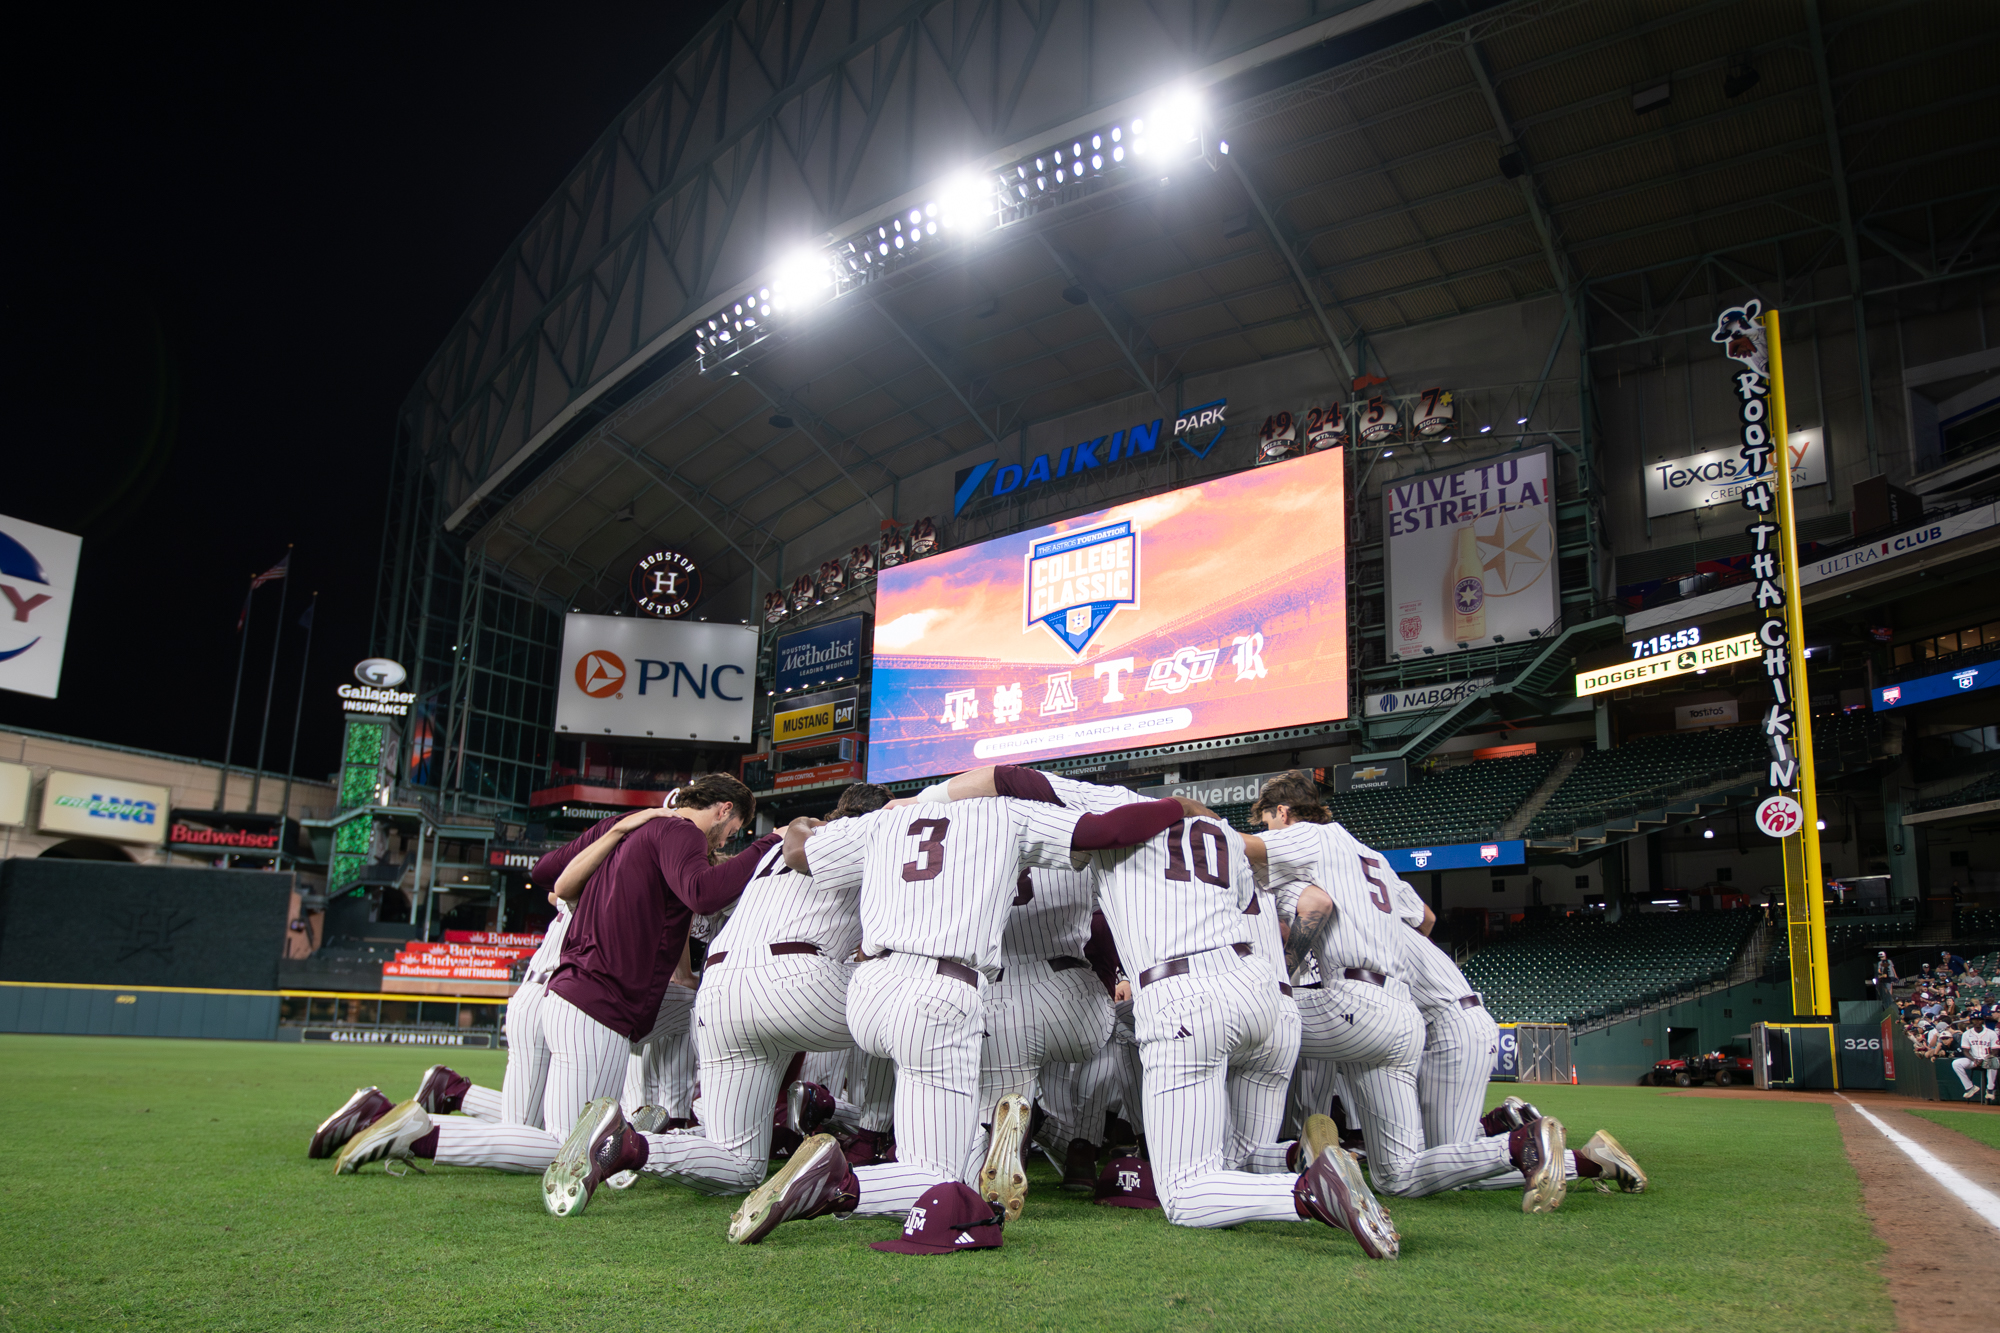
pixel 390 1137
pixel 1003 1180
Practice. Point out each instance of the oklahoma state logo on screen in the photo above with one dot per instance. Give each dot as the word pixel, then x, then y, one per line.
pixel 600 673
pixel 1074 583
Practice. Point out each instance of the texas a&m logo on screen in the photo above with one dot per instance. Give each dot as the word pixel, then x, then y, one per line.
pixel 1074 583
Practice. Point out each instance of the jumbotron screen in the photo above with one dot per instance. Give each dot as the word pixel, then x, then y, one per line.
pixel 1214 610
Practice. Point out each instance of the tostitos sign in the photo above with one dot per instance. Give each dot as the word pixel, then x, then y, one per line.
pixel 673 680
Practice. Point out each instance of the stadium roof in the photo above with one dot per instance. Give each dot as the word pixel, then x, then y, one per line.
pixel 1395 165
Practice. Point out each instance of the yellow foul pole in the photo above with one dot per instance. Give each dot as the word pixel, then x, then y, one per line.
pixel 1805 894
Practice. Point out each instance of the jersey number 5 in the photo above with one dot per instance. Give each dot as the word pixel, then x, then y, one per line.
pixel 930 850
pixel 1379 895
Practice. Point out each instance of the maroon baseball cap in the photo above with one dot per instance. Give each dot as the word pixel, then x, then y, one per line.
pixel 1127 1182
pixel 949 1217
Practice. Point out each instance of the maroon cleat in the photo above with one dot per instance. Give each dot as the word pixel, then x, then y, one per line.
pixel 442 1090
pixel 807 1107
pixel 601 1145
pixel 1332 1191
pixel 1080 1166
pixel 363 1109
pixel 815 1182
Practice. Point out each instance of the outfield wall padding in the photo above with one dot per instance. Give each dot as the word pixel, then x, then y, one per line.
pixel 100 923
pixel 112 1011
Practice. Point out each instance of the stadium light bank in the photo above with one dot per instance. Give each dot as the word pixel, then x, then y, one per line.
pixel 1172 134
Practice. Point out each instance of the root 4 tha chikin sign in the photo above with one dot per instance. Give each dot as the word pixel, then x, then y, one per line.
pixel 1790 812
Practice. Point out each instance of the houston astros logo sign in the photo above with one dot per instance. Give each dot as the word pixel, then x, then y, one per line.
pixel 1074 583
pixel 665 583
pixel 600 673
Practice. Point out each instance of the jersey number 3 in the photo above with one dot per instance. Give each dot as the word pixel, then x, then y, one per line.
pixel 930 850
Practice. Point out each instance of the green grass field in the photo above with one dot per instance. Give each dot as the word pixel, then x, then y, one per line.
pixel 164 1185
pixel 1985 1128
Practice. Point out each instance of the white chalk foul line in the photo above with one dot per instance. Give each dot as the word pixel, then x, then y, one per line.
pixel 1980 1200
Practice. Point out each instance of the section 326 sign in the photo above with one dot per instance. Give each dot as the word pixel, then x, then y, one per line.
pixel 1213 610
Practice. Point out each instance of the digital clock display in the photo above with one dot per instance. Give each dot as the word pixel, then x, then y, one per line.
pixel 1670 642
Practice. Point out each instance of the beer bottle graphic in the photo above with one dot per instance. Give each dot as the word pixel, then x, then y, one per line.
pixel 1467 590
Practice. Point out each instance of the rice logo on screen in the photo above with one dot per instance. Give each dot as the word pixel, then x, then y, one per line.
pixel 600 674
pixel 1074 583
pixel 380 671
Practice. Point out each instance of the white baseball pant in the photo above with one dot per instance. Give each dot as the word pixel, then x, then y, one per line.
pixel 1258 1080
pixel 661 1070
pixel 901 1007
pixel 1190 1028
pixel 1965 1062
pixel 586 1061
pixel 1034 1016
pixel 527 1067
pixel 1459 1046
pixel 751 1017
pixel 1379 1039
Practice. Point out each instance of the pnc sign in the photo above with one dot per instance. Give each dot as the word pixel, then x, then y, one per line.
pixel 673 680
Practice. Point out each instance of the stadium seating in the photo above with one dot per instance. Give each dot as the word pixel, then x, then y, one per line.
pixel 1467 803
pixel 1579 969
pixel 1616 782
pixel 1985 789
pixel 1652 770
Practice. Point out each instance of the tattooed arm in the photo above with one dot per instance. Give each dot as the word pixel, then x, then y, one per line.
pixel 1315 911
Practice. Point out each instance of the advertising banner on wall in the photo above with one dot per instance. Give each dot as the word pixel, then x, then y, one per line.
pixel 14 782
pixel 1471 554
pixel 37 577
pixel 819 655
pixel 672 679
pixel 1423 698
pixel 1719 476
pixel 1213 610
pixel 815 717
pixel 104 808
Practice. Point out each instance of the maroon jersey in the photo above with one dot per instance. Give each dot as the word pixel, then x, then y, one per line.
pixel 631 921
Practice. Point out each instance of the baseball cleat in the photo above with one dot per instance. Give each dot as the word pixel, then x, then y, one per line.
pixel 363 1109
pixel 391 1136
pixel 441 1090
pixel 600 1145
pixel 807 1107
pixel 1316 1135
pixel 1610 1154
pixel 1332 1191
pixel 1509 1115
pixel 650 1119
pixel 1003 1180
pixel 816 1181
pixel 1541 1161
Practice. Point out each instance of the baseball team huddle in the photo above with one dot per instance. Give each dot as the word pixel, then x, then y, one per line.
pixel 948 961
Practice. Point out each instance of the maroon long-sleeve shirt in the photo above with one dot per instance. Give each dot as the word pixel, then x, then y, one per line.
pixel 631 921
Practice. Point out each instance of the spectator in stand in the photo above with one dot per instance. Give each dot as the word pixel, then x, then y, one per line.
pixel 1952 964
pixel 1884 980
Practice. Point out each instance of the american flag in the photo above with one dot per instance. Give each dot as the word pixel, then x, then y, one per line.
pixel 276 571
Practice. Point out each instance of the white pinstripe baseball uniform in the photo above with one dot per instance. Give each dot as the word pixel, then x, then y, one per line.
pixel 1048 1007
pixel 661 1069
pixel 628 931
pixel 1460 1042
pixel 775 984
pixel 1259 1080
pixel 937 882
pixel 518 1100
pixel 1376 1034
pixel 1177 904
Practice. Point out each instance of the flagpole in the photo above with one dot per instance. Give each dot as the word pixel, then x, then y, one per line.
pixel 298 711
pixel 271 682
pixel 242 649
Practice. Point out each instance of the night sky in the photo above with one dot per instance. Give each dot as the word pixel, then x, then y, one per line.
pixel 235 248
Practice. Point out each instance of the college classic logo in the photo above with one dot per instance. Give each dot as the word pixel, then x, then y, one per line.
pixel 600 673
pixel 1074 583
